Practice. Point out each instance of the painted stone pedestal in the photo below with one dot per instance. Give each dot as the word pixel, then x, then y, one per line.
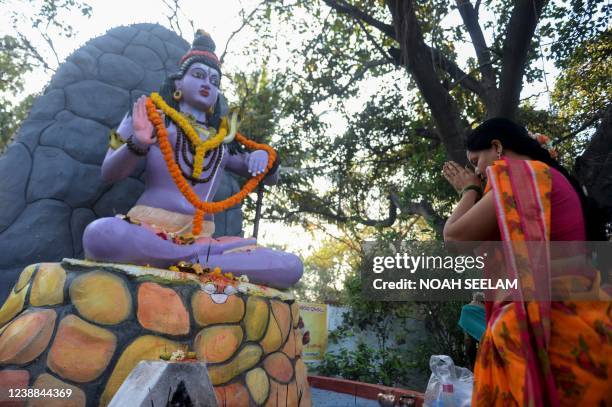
pixel 84 326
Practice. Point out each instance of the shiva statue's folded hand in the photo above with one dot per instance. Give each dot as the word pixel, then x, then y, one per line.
pixel 258 160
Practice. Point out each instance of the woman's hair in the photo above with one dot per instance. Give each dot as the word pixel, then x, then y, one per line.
pixel 516 138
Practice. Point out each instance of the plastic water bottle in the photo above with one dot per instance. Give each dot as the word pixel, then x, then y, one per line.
pixel 447 397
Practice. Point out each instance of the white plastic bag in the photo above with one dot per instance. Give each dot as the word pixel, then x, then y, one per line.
pixel 449 385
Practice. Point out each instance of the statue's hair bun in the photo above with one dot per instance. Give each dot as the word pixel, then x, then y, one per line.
pixel 203 41
pixel 202 50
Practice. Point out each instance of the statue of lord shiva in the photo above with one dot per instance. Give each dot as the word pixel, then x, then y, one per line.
pixel 186 140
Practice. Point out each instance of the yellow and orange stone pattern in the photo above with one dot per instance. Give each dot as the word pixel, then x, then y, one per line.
pixel 84 326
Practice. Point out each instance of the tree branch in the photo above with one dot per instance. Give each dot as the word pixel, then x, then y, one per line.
pixel 245 21
pixel 423 209
pixel 322 209
pixel 416 56
pixel 521 28
pixel 427 133
pixel 338 91
pixel 470 19
pixel 49 42
pixel 345 8
pixel 173 16
pixel 373 41
pixel 588 123
pixel 594 167
pixel 33 52
pixel 461 77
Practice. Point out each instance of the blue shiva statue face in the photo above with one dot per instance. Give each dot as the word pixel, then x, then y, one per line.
pixel 200 86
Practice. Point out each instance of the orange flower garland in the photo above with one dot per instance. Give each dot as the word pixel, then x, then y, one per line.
pixel 202 207
pixel 201 147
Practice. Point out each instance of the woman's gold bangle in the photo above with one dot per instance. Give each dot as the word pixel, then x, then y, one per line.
pixel 472 187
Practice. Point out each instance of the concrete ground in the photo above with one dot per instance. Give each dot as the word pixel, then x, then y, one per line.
pixel 326 398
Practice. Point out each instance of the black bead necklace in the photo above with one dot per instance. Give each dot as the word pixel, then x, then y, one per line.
pixel 180 152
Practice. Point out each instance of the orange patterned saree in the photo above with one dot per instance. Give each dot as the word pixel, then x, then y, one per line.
pixel 538 352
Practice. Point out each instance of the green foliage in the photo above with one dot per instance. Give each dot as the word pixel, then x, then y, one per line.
pixel 584 88
pixel 258 95
pixel 355 125
pixel 22 52
pixel 11 116
pixel 444 336
pixel 324 273
pixel 13 66
pixel 48 14
pixel 572 24
pixel 38 24
pixel 402 351
pixel 366 364
pixel 258 99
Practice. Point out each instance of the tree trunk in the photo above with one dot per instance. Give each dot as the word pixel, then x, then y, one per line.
pixel 417 58
pixel 519 34
pixel 594 167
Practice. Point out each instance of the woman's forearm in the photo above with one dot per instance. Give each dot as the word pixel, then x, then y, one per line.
pixel 467 201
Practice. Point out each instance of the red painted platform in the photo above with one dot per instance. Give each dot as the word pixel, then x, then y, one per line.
pixel 360 389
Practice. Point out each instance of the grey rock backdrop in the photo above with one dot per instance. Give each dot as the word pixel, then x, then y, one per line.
pixel 50 186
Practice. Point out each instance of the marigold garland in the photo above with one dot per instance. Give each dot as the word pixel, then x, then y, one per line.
pixel 214 140
pixel 202 207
